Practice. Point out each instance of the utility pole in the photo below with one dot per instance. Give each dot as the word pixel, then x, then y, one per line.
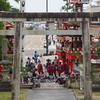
pixel 47 35
pixel 67 4
pixel 22 9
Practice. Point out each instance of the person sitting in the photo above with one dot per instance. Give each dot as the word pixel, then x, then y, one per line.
pixel 61 79
pixel 36 75
pixel 43 78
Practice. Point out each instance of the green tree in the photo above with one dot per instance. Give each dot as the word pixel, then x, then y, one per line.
pixel 1 25
pixel 30 28
pixel 4 5
pixel 1 37
pixel 67 7
pixel 14 10
pixel 98 50
pixel 17 0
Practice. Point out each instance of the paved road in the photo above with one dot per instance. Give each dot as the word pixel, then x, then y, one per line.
pixel 34 42
pixel 29 53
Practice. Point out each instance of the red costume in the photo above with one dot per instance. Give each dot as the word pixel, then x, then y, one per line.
pixel 49 69
pixel 0 68
pixel 64 66
pixel 40 67
pixel 53 69
pixel 59 68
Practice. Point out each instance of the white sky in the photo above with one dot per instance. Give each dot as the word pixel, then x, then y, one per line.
pixel 40 5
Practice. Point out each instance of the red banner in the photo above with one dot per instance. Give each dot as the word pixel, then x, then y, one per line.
pixel 71 56
pixel 60 53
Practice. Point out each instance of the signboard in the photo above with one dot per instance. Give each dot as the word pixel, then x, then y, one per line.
pixel 79 1
pixel 84 1
pixel 74 1
pixel 22 5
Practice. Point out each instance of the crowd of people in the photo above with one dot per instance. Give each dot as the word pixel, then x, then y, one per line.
pixel 49 69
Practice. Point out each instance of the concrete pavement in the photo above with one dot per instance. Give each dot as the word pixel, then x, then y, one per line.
pixel 50 91
pixel 50 95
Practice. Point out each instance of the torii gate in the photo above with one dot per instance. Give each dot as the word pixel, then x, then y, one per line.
pixel 18 18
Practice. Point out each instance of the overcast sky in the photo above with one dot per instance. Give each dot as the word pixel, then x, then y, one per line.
pixel 40 5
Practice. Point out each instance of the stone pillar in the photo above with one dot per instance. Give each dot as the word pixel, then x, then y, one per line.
pixel 86 60
pixel 34 83
pixel 52 26
pixel 4 49
pixel 16 62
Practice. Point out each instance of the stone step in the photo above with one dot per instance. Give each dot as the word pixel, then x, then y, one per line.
pixel 26 86
pixel 50 86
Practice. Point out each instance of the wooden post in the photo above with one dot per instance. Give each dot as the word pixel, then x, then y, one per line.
pixel 16 62
pixel 4 49
pixel 86 60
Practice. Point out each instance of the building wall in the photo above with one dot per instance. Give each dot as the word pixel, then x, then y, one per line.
pixel 92 9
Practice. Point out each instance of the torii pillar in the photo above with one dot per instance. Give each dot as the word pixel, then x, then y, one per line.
pixel 16 62
pixel 86 60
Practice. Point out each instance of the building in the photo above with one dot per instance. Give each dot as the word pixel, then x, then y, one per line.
pixel 93 7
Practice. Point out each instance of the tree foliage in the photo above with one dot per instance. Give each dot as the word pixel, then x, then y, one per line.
pixel 17 0
pixel 4 5
pixel 98 50
pixel 1 37
pixel 67 7
pixel 14 10
pixel 1 25
pixel 30 28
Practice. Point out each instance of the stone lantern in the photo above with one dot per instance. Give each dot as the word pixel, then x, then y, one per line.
pixel 5 70
pixel 5 84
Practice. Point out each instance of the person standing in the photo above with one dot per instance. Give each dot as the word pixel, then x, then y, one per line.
pixel 32 63
pixel 40 67
pixel 49 69
pixel 60 68
pixel 35 56
pixel 54 69
pixel 55 61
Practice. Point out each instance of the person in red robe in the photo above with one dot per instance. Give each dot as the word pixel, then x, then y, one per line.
pixel 40 67
pixel 60 68
pixel 49 69
pixel 1 72
pixel 1 68
pixel 54 69
pixel 65 68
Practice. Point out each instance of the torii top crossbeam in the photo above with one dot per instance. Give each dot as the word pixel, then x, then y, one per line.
pixel 51 16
